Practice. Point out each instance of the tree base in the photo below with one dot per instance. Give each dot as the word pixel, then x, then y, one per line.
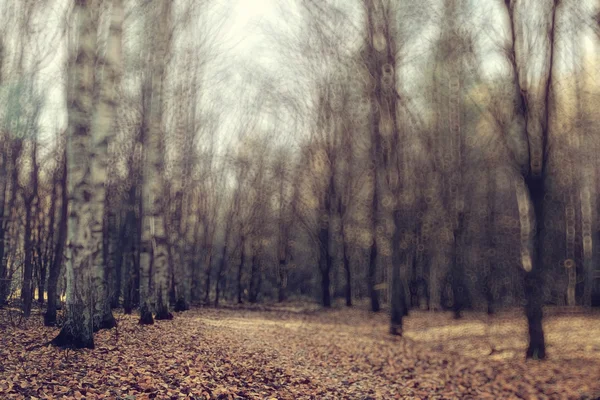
pixel 181 305
pixel 163 315
pixel 66 339
pixel 145 317
pixel 396 330
pixel 107 322
pixel 536 353
pixel 375 307
pixel 49 319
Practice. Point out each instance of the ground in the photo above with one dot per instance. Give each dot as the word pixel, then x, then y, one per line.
pixel 301 352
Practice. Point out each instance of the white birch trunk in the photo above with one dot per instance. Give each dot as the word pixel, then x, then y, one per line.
pixel 78 328
pixel 103 132
pixel 154 252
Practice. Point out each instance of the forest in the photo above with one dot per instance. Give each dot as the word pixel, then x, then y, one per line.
pixel 281 199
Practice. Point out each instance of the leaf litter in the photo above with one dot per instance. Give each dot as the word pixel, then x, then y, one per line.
pixel 308 354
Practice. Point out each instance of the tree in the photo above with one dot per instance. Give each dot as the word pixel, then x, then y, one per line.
pixel 78 328
pixel 104 132
pixel 60 180
pixel 533 106
pixel 380 57
pixel 154 254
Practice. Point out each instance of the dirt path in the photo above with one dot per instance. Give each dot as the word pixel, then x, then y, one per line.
pixel 343 354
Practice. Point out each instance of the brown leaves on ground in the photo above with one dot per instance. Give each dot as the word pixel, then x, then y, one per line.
pixel 285 354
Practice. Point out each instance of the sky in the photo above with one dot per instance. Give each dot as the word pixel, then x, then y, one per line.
pixel 241 35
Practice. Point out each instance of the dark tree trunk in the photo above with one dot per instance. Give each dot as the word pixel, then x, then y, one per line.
pixel 348 274
pixel 196 286
pixel 173 284
pixel 533 279
pixel 258 283
pixel 71 334
pixel 325 263
pixel 239 273
pixel 130 245
pixel 127 293
pixel 220 271
pixel 206 299
pixel 57 259
pixel 217 290
pixel 118 254
pixel 7 216
pixel 282 281
pixel 41 283
pixel 104 318
pixel 118 282
pixel 457 274
pixel 397 291
pixel 27 288
pixel 325 286
pixel 375 307
pixel 3 224
pixel 3 270
pixel 145 315
pixel 254 280
pixel 162 310
pixel 372 271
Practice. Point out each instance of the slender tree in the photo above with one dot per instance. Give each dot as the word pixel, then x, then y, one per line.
pixel 533 107
pixel 77 330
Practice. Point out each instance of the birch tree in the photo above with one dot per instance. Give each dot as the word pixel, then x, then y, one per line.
pixel 109 65
pixel 77 330
pixel 154 255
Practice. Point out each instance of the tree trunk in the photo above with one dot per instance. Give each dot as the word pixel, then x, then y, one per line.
pixel 57 258
pixel 347 270
pixel 325 263
pixel 325 284
pixel 399 306
pixel 41 284
pixel 207 274
pixel 222 263
pixel 457 274
pixel 78 328
pixel 118 255
pixel 254 278
pixel 174 278
pixel 371 278
pixel 282 281
pixel 534 276
pixel 3 190
pixel 30 203
pixel 536 114
pixel 103 135
pixel 239 274
pixel 27 287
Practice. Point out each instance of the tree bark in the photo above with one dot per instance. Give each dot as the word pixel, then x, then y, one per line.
pixel 78 328
pixel 325 263
pixel 348 273
pixel 240 269
pixel 534 109
pixel 534 284
pixel 398 295
pixel 57 258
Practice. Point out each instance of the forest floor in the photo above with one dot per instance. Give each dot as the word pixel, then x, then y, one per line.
pixel 301 352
